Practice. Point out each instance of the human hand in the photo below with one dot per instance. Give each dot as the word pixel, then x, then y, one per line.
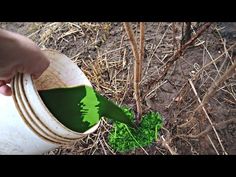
pixel 19 54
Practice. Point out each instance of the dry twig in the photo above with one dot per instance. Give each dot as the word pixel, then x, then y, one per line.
pixel 216 85
pixel 204 110
pixel 166 145
pixel 137 65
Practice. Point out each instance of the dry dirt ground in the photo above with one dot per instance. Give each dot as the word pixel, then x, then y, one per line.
pixel 103 52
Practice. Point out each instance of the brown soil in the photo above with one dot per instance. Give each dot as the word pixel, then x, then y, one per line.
pixel 103 52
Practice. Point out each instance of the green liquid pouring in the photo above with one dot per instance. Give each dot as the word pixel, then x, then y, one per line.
pixel 80 108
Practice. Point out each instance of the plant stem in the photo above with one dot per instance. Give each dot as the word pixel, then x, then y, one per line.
pixel 187 33
pixel 141 56
pixel 174 30
pixel 156 133
pixel 141 49
pixel 137 65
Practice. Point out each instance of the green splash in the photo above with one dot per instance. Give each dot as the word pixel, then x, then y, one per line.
pixel 80 108
pixel 123 138
pixel 89 108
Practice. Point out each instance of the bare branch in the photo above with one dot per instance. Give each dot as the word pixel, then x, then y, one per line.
pixel 137 65
pixel 216 85
pixel 176 56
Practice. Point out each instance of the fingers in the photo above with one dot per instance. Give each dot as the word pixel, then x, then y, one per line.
pixel 41 68
pixel 8 81
pixel 35 66
pixel 40 71
pixel 7 76
pixel 5 89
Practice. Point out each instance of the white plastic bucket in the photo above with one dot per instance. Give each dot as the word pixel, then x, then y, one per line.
pixel 26 125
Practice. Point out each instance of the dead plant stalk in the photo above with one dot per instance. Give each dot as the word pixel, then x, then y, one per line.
pixel 138 56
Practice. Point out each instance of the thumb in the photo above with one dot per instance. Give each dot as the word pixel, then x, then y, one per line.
pixel 40 69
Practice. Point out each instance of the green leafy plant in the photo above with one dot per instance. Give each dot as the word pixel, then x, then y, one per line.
pixel 123 138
